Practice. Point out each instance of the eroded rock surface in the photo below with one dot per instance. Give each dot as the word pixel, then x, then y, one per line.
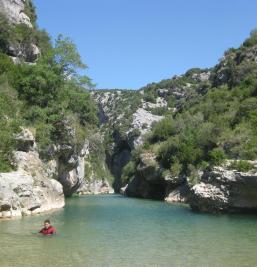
pixel 95 187
pixel 14 10
pixel 30 189
pixel 223 190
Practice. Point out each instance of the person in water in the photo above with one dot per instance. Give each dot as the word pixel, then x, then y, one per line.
pixel 48 228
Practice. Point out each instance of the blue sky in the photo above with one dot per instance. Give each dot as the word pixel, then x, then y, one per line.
pixel 129 43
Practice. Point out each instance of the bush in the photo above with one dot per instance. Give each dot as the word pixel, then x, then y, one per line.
pixel 241 165
pixel 252 40
pixel 128 172
pixel 175 168
pixel 9 125
pixel 217 156
pixel 163 129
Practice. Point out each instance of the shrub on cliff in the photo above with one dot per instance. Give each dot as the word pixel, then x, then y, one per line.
pixel 9 123
pixel 163 129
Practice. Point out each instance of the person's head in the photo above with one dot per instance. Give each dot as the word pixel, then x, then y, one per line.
pixel 47 223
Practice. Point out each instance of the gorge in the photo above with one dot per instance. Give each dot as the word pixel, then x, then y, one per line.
pixel 190 139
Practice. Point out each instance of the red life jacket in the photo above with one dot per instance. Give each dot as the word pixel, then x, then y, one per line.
pixel 49 231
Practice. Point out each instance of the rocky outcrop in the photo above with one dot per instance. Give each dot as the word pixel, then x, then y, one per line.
pixel 95 187
pixel 128 123
pixel 30 189
pixel 14 10
pixel 224 190
pixel 148 181
pixel 23 51
pixel 143 121
pixel 23 194
pixel 67 158
pixel 178 194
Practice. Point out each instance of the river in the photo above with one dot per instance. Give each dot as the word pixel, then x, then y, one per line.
pixel 113 231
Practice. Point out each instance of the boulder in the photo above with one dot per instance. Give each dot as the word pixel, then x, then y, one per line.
pixel 25 140
pixel 178 194
pixel 225 190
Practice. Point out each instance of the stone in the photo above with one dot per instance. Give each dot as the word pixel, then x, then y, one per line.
pixel 143 120
pixel 14 11
pixel 178 194
pixel 225 190
pixel 201 77
pixel 25 140
pixel 148 181
pixel 22 194
pixel 95 187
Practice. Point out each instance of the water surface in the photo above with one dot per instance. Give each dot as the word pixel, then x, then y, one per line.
pixel 116 231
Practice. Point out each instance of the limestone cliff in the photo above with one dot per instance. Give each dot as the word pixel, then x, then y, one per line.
pixel 225 190
pixel 31 188
pixel 125 119
pixel 14 11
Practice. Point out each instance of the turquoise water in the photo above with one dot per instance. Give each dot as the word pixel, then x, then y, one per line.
pixel 116 231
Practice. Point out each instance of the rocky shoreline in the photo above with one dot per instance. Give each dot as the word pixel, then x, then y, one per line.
pixel 39 186
pixel 219 190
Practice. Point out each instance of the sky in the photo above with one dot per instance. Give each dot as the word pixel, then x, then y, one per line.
pixel 130 43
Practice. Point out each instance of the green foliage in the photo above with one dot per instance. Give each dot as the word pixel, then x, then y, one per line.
pixel 67 56
pixel 30 11
pixel 217 156
pixel 241 165
pixel 252 40
pixel 9 124
pixel 150 96
pixel 95 166
pixel 49 96
pixel 5 34
pixel 176 167
pixel 163 129
pixel 128 172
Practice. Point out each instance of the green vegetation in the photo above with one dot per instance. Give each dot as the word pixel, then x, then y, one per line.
pixel 218 121
pixel 95 167
pixel 49 96
pixel 241 165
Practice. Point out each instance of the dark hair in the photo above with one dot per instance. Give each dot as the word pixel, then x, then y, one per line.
pixel 47 221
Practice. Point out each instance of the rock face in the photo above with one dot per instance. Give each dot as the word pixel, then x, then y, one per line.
pixel 223 190
pixel 95 187
pixel 126 114
pixel 14 11
pixel 178 194
pixel 143 121
pixel 26 51
pixel 22 194
pixel 68 159
pixel 148 181
pixel 30 189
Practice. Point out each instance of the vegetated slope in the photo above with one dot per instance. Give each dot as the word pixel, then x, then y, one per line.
pixel 40 89
pixel 214 118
